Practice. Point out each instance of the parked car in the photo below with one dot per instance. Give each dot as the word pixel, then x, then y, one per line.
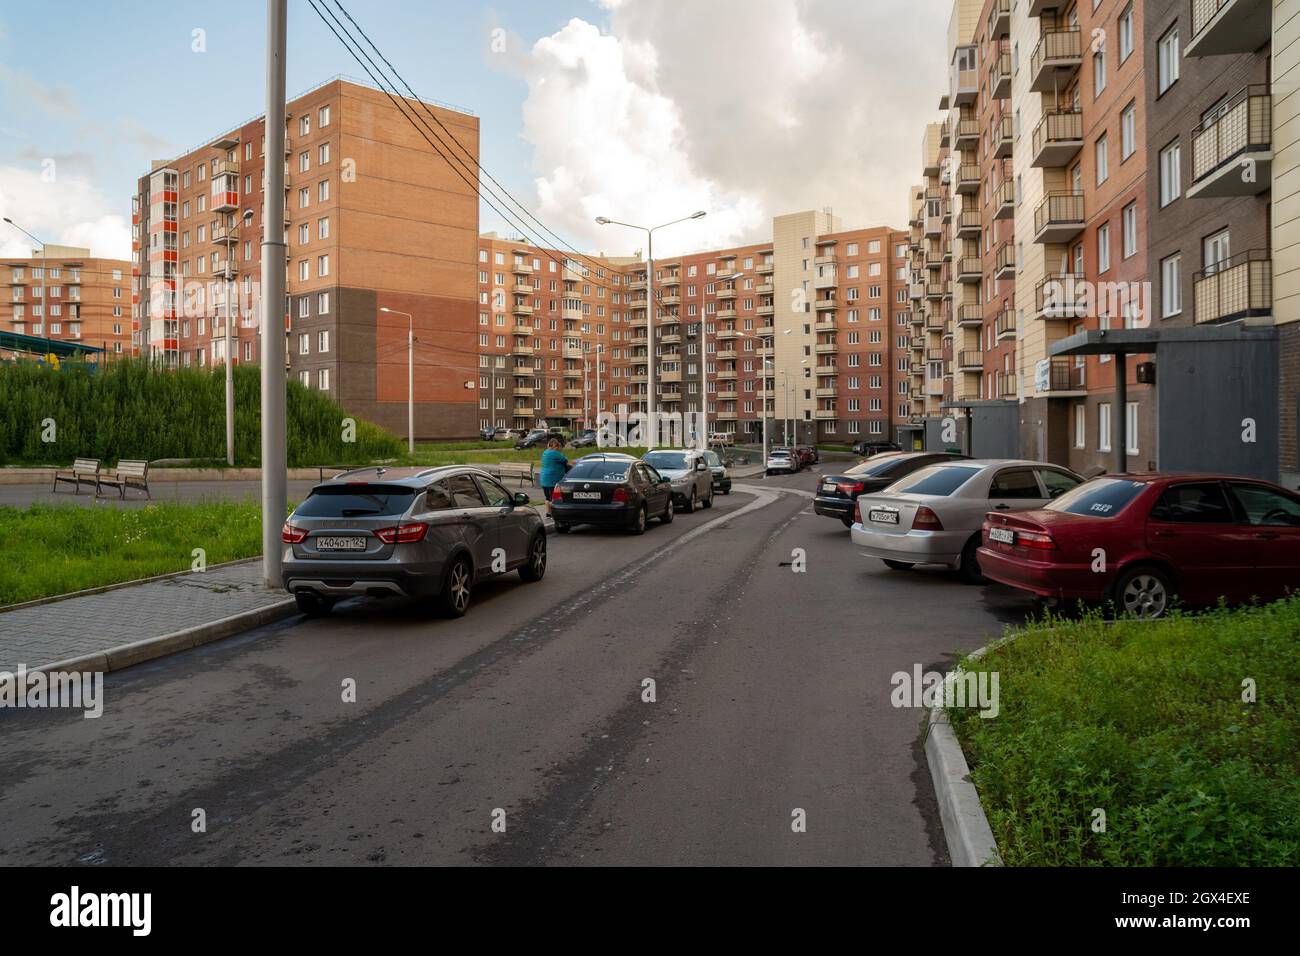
pixel 837 492
pixel 686 469
pixel 417 532
pixel 586 440
pixel 722 438
pixel 782 461
pixel 935 515
pixel 622 456
pixel 534 439
pixel 507 434
pixel 808 454
pixel 487 434
pixel 1190 538
pixel 611 491
pixel 868 448
pixel 721 477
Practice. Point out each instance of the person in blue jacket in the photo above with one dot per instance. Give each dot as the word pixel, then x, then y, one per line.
pixel 554 465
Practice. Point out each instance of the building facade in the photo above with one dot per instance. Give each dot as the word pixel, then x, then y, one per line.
pixel 69 295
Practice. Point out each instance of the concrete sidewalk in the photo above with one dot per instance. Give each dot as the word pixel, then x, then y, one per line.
pixel 125 625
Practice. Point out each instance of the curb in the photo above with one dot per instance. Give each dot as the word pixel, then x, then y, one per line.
pixel 125 655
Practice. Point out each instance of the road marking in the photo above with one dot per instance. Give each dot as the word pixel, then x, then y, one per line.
pixel 777 489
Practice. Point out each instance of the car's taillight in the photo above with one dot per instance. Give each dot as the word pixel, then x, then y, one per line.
pixel 927 520
pixel 402 533
pixel 557 494
pixel 852 487
pixel 291 535
pixel 1035 539
pixel 619 495
pixel 857 512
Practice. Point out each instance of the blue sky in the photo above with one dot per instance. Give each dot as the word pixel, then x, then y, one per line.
pixel 595 105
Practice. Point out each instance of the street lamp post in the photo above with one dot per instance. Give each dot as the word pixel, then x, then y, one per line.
pixel 410 379
pixel 45 307
pixel 650 307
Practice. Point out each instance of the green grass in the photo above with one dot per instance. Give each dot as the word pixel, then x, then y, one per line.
pixel 52 550
pixel 1146 722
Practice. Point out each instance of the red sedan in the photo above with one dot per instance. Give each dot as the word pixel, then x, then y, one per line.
pixel 1140 541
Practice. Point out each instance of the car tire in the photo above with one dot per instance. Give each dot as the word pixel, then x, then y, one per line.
pixel 1144 591
pixel 313 605
pixel 641 519
pixel 670 512
pixel 690 504
pixel 561 528
pixel 454 599
pixel 708 502
pixel 726 491
pixel 969 569
pixel 534 569
pixel 847 521
pixel 898 565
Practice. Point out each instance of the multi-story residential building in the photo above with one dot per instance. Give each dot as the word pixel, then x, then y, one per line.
pixel 67 295
pixel 1284 219
pixel 382 236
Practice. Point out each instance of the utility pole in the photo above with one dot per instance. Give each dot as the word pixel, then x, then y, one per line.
pixel 274 463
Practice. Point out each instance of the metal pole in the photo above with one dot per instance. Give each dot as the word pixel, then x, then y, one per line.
pixel 650 337
pixel 274 491
pixel 1121 399
pixel 704 386
pixel 230 377
pixel 45 304
pixel 765 390
pixel 599 349
pixel 410 384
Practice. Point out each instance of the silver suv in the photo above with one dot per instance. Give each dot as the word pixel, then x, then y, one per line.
pixel 686 468
pixel 417 532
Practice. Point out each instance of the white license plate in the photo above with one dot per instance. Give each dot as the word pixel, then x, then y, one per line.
pixel 1004 535
pixel 338 543
pixel 828 486
pixel 883 517
pixel 586 496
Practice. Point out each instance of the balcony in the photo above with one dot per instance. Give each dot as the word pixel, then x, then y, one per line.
pixel 935 290
pixel 1238 288
pixel 521 268
pixel 727 293
pixel 968 179
pixel 673 279
pixel 934 259
pixel 1004 137
pixel 637 285
pixel 727 394
pixel 826 348
pixel 945 134
pixel 825 414
pixel 673 339
pixel 970 316
pixel 1000 77
pixel 1061 295
pixel 968 224
pixel 1059 218
pixel 1055 60
pixel 916 291
pixel 765 268
pixel 521 348
pixel 1006 385
pixel 726 335
pixel 1232 151
pixel 521 329
pixel 1000 19
pixel 1006 324
pixel 1006 262
pixel 968 133
pixel 765 288
pixel 1065 379
pixel 572 393
pixel 766 309
pixel 671 299
pixel 1004 200
pixel 727 374
pixel 1057 139
pixel 964 86
pixel 521 308
pixel 727 415
pixel 225 234
pixel 970 360
pixel 969 270
pixel 933 228
pixel 825 305
pixel 827 370
pixel 1229 26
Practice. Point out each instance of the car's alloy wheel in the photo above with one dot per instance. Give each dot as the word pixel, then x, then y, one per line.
pixel 641 517
pixel 1144 593
pixel 669 512
pixel 535 568
pixel 456 591
pixel 690 505
pixel 708 502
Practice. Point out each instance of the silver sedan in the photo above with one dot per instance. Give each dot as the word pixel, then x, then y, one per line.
pixel 934 515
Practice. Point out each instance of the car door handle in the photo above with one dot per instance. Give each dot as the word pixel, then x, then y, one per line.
pixel 1002 508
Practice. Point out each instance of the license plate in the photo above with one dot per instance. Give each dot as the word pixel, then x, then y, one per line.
pixel 828 486
pixel 335 543
pixel 883 517
pixel 1004 535
pixel 586 495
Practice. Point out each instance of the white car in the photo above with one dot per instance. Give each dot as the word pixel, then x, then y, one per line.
pixel 935 515
pixel 783 461
pixel 722 438
pixel 689 474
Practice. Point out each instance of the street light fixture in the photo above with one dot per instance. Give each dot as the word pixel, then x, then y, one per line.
pixel 650 307
pixel 45 306
pixel 410 377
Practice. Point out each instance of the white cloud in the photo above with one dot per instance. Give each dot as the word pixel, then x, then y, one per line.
pixel 69 211
pixel 746 108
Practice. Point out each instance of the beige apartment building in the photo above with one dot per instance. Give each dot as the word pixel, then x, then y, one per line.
pixel 66 301
pixel 382 237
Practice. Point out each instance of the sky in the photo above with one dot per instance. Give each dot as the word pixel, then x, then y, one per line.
pixel 638 110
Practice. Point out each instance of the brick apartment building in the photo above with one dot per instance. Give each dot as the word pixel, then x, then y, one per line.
pixel 374 219
pixel 87 298
pixel 823 310
pixel 1098 196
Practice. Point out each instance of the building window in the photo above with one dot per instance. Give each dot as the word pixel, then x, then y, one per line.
pixel 1171 179
pixel 1128 132
pixel 323 228
pixel 1103 426
pixel 323 192
pixel 324 154
pixel 1098 73
pixel 324 117
pixel 1131 429
pixel 1169 55
pixel 1171 288
pixel 323 341
pixel 1129 221
pixel 1126 33
pixel 1080 425
pixel 322 266
pixel 304 343
pixel 1103 160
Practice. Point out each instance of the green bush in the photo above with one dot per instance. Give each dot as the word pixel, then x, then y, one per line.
pixel 134 409
pixel 1144 720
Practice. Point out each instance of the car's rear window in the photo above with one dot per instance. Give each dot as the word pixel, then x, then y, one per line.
pixel 875 466
pixel 939 480
pixel 598 470
pixel 1099 498
pixel 356 501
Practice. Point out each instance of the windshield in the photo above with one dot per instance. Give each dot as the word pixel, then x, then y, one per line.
pixel 353 501
pixel 668 460
pixel 940 480
pixel 1100 498
pixel 597 469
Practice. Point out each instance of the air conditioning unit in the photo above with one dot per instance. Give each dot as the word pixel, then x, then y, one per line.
pixel 1146 373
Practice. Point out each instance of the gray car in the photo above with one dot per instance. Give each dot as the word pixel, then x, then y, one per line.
pixel 414 532
pixel 935 515
pixel 689 473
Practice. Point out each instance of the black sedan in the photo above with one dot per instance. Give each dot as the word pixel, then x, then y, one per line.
pixel 613 491
pixel 837 493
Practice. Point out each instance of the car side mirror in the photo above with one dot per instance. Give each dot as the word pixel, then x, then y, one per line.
pixel 520 500
pixel 664 481
pixel 701 466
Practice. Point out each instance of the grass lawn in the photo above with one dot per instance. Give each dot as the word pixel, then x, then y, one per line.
pixel 1145 721
pixel 53 550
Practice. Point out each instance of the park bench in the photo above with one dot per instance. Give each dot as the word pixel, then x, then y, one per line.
pixel 127 474
pixel 507 470
pixel 83 469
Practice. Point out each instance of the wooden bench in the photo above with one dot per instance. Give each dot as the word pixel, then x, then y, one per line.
pixel 127 474
pixel 506 470
pixel 83 469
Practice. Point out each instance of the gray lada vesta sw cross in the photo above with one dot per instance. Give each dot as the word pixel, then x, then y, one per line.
pixel 414 532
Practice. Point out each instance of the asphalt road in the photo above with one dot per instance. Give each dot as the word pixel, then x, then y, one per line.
pixel 771 705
